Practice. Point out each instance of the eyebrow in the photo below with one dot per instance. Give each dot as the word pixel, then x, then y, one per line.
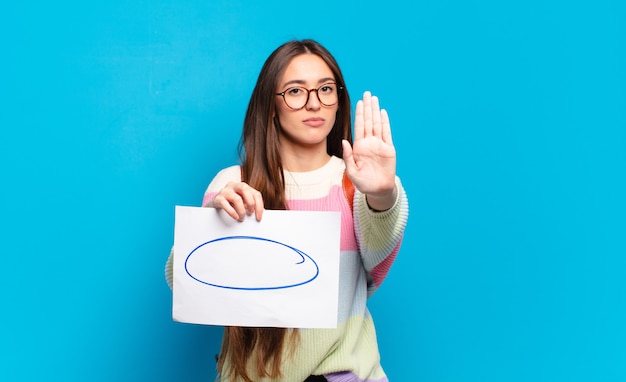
pixel 302 82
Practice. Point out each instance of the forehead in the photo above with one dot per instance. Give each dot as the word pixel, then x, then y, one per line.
pixel 307 68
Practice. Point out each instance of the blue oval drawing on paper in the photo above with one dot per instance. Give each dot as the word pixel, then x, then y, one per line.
pixel 250 263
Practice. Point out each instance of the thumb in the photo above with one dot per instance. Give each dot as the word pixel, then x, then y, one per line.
pixel 348 156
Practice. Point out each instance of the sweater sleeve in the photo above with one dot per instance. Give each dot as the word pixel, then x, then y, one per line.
pixel 169 269
pixel 379 235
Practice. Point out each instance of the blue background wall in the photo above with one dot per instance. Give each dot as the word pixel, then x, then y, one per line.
pixel 510 124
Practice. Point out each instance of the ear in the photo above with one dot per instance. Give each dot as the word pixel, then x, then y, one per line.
pixel 275 120
pixel 275 112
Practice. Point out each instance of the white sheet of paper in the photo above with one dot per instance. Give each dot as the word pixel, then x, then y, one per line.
pixel 280 272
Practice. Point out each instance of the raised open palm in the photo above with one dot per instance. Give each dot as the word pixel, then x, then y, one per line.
pixel 371 161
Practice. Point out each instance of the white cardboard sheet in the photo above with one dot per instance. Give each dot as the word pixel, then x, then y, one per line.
pixel 280 272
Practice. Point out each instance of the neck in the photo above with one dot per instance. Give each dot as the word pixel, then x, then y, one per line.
pixel 303 160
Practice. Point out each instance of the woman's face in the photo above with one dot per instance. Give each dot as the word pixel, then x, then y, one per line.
pixel 309 126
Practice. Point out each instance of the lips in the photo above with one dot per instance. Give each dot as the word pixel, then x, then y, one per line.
pixel 314 121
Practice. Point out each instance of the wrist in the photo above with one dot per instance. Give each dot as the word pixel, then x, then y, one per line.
pixel 383 201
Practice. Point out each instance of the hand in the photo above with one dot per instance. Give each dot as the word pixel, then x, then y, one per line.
pixel 238 199
pixel 371 162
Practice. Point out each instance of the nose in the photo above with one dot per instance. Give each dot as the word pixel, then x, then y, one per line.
pixel 313 103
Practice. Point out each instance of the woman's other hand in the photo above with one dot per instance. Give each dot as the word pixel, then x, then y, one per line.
pixel 238 199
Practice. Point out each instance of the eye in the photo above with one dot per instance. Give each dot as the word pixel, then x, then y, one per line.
pixel 327 88
pixel 294 91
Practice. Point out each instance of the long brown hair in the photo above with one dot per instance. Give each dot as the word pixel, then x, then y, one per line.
pixel 262 169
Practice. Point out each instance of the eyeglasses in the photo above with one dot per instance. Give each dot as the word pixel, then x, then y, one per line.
pixel 297 97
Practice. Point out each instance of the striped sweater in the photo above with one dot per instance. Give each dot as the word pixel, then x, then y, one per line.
pixel 369 244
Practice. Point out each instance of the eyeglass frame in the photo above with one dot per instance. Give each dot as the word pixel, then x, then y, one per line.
pixel 308 94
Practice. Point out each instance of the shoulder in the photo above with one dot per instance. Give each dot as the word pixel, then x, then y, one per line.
pixel 228 174
pixel 233 172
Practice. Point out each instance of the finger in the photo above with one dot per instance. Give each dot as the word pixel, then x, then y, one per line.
pixel 221 202
pixel 348 156
pixel 367 114
pixel 252 200
pixel 358 120
pixel 386 127
pixel 258 206
pixel 376 117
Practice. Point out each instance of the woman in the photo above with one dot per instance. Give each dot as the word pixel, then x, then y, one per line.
pixel 295 148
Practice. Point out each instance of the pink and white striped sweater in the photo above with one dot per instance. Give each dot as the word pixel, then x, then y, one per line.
pixel 370 242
